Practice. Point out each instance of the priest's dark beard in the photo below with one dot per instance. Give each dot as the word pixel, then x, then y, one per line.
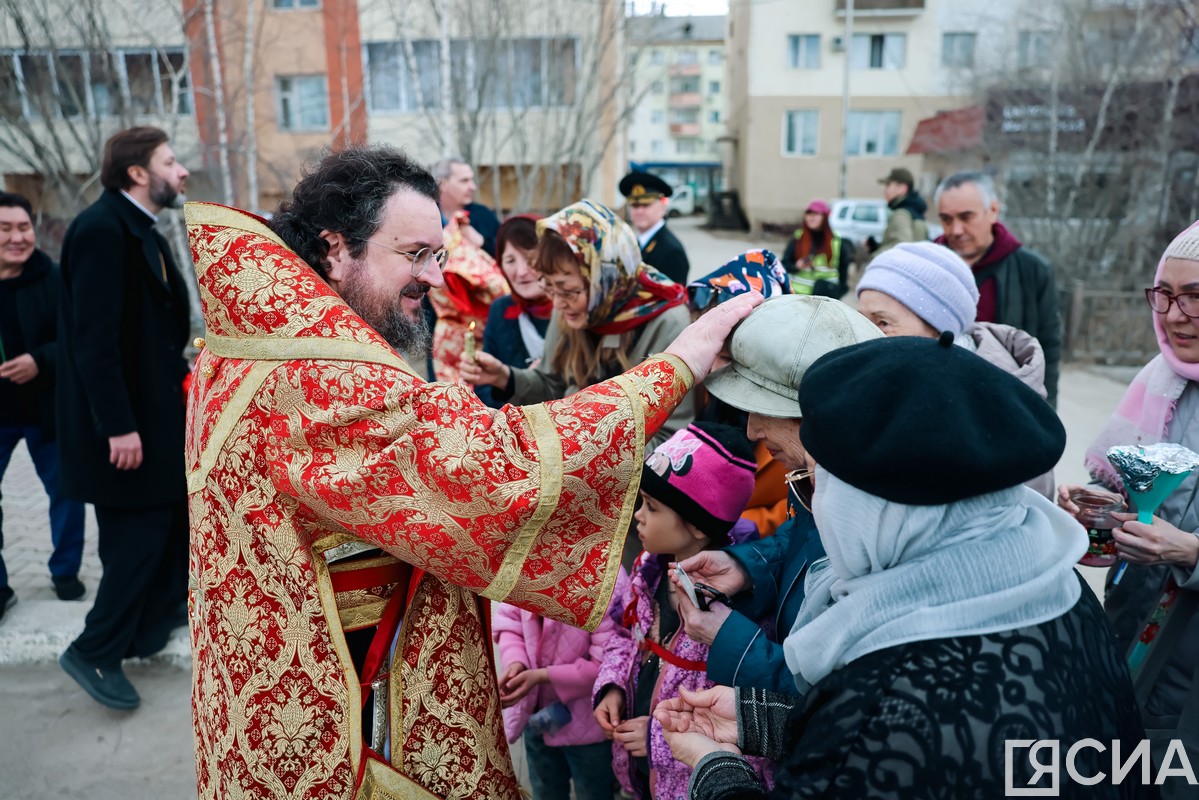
pixel 407 335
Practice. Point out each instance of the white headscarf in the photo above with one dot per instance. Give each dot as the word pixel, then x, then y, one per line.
pixel 899 573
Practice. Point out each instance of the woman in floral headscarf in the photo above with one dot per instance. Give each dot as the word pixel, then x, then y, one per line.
pixel 611 311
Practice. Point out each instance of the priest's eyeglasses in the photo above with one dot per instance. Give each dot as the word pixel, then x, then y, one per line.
pixel 421 259
pixel 1160 300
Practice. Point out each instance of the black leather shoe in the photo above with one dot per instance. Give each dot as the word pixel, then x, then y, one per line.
pixel 69 588
pixel 108 687
pixel 8 599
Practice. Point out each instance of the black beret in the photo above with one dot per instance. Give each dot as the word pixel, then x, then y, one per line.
pixel 925 422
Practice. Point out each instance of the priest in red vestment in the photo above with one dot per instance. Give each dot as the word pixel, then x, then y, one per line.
pixel 350 521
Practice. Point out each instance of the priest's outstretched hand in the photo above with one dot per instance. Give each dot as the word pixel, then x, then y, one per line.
pixel 701 344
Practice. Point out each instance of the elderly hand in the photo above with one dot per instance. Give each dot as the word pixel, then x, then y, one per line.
pixel 125 451
pixel 19 369
pixel 702 626
pixel 717 569
pixel 486 369
pixel 698 723
pixel 1156 543
pixel 702 342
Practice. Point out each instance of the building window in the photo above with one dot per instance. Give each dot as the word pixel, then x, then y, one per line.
pixel 655 146
pixel 657 57
pixel 685 147
pixel 803 51
pixel 688 56
pixel 1032 49
pixel 103 83
pixel 656 116
pixel 957 50
pixel 302 102
pixel 687 85
pixel 296 3
pixel 632 146
pixel 713 87
pixel 1190 47
pixel 800 132
pixel 715 57
pixel 406 76
pixel 713 116
pixel 873 133
pixel 684 116
pixel 657 87
pixel 878 51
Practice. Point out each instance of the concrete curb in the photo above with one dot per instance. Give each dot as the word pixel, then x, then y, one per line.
pixel 38 631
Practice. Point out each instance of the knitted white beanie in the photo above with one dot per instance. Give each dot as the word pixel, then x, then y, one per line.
pixel 931 280
pixel 1185 245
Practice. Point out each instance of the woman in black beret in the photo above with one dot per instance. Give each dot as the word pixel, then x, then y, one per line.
pixel 948 617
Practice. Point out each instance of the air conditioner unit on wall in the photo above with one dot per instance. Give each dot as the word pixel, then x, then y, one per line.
pixel 838 43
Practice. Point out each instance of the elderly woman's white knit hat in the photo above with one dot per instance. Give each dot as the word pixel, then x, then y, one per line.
pixel 931 280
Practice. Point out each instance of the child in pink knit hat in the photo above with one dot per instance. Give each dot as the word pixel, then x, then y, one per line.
pixel 694 487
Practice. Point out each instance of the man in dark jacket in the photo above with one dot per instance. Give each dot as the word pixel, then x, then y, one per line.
pixel 649 197
pixel 1015 285
pixel 29 287
pixel 906 209
pixel 122 330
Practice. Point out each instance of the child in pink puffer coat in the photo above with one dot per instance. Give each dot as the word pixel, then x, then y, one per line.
pixel 549 669
pixel 693 490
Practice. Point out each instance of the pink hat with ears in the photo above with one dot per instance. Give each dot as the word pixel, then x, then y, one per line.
pixel 704 473
pixel 1185 246
pixel 819 206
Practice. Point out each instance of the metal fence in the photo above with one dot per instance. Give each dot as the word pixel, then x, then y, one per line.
pixel 1106 327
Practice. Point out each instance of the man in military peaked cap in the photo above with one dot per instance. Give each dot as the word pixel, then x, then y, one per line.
pixel 648 197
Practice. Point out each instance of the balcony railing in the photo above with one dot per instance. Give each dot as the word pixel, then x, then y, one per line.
pixel 686 100
pixel 883 8
pixel 684 130
pixel 686 70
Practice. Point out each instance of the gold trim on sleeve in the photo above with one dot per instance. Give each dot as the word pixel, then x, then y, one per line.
pixel 681 369
pixel 549 456
pixel 230 415
pixel 278 348
pixel 616 548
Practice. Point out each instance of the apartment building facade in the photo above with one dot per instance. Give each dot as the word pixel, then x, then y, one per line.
pixel 908 60
pixel 678 98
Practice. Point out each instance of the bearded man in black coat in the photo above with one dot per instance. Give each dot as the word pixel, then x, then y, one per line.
pixel 123 327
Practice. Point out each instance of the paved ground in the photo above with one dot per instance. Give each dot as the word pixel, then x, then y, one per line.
pixel 56 742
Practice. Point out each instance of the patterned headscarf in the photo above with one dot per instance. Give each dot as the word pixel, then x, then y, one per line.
pixel 624 292
pixel 753 270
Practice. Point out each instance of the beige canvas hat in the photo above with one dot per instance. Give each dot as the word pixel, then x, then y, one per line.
pixel 775 345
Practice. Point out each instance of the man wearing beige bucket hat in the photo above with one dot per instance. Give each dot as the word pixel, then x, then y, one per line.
pixel 771 350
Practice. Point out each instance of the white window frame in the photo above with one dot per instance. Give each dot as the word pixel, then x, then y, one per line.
pixel 951 49
pixel 1029 40
pixel 890 42
pixel 300 127
pixel 799 47
pixel 808 113
pixel 873 122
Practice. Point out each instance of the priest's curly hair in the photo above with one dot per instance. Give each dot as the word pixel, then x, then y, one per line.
pixel 346 192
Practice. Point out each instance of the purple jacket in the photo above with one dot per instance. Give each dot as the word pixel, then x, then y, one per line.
pixel 622 662
pixel 571 658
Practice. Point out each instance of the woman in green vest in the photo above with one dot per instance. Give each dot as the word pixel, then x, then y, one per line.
pixel 816 258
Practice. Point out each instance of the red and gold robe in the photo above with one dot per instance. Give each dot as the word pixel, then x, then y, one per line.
pixel 307 433
pixel 472 282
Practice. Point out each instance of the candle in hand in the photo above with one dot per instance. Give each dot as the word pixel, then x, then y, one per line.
pixel 468 350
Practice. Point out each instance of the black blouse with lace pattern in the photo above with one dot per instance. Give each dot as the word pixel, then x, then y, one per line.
pixel 929 719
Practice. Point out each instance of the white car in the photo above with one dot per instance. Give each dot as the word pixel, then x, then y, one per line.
pixel 858 219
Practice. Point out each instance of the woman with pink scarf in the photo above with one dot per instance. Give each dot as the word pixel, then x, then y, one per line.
pixel 1152 605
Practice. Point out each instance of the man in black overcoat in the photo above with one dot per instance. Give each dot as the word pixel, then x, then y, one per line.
pixel 649 198
pixel 122 331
